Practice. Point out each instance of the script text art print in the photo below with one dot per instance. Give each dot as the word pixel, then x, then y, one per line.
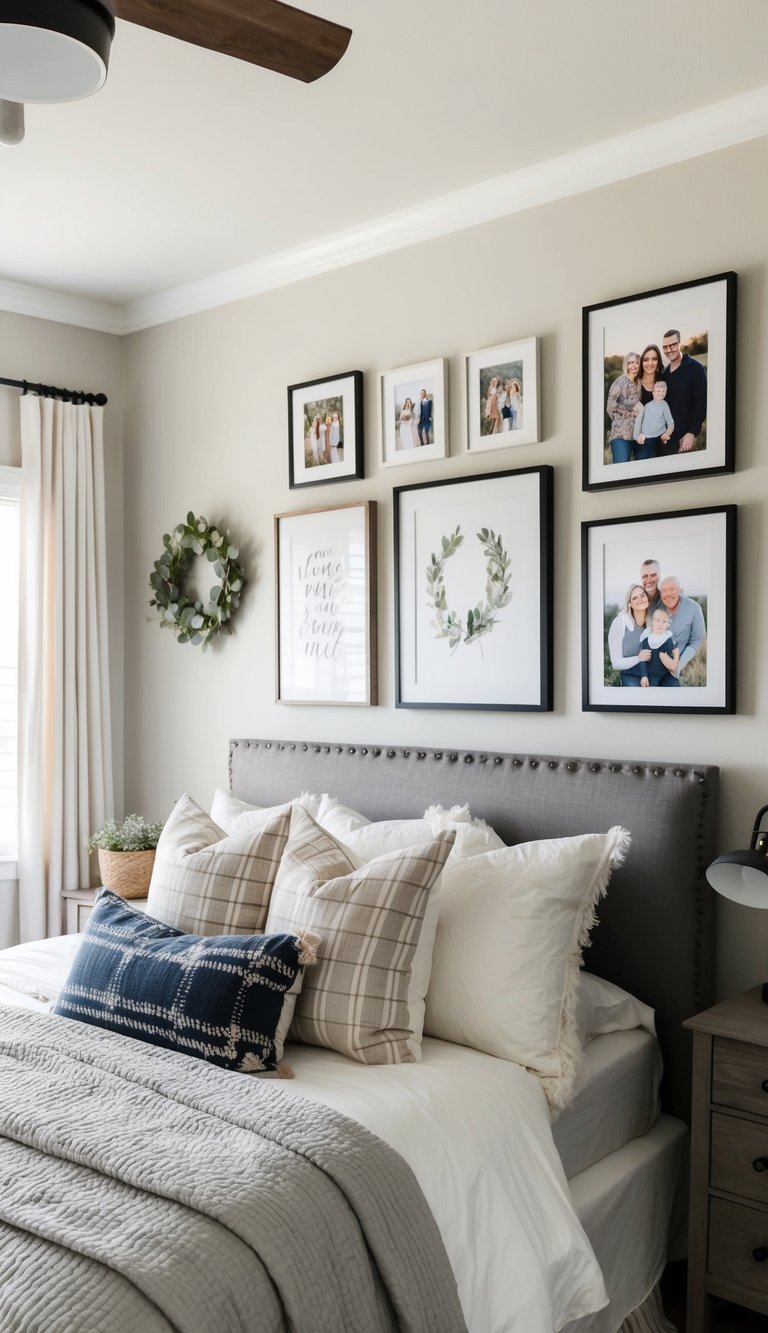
pixel 326 605
pixel 473 589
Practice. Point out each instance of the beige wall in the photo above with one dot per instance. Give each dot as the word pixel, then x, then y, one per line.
pixel 206 430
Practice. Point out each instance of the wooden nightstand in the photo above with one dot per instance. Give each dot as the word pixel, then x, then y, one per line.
pixel 78 905
pixel 728 1229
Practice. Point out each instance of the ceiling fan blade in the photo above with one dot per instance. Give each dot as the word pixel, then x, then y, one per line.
pixel 264 32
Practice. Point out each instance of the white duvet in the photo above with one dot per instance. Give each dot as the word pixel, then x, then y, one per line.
pixel 475 1131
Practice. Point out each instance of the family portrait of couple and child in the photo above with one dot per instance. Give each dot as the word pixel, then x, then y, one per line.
pixel 323 432
pixel 658 637
pixel 657 405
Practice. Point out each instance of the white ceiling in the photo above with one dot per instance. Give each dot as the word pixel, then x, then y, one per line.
pixel 189 163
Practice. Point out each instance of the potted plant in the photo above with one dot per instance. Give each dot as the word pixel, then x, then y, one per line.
pixel 126 854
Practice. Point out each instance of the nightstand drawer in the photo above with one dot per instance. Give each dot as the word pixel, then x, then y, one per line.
pixel 740 1157
pixel 740 1075
pixel 738 1244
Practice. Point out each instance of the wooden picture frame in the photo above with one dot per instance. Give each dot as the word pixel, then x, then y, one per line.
pixel 325 567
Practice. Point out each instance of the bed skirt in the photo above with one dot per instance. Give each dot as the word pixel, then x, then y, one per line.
pixel 649 1317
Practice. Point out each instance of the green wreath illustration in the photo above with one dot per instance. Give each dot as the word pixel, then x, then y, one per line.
pixel 482 617
pixel 192 621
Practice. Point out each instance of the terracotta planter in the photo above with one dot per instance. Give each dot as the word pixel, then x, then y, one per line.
pixel 127 873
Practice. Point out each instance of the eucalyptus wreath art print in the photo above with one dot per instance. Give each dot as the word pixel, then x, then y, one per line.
pixel 481 617
pixel 473 567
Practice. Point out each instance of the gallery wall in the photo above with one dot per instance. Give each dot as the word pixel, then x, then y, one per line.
pixel 205 429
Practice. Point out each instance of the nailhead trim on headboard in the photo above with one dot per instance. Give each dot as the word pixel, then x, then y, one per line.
pixel 656 935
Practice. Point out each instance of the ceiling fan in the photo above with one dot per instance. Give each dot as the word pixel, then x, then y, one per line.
pixel 58 50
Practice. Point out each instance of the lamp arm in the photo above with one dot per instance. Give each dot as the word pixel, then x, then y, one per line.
pixel 759 835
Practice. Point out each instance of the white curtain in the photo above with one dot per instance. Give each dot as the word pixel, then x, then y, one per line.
pixel 65 745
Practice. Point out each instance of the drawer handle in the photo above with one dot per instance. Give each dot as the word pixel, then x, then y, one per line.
pixel 764 1085
pixel 760 1164
pixel 760 1255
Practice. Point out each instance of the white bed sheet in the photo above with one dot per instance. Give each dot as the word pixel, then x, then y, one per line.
pixel 633 1205
pixel 617 1099
pixel 476 1132
pixel 33 974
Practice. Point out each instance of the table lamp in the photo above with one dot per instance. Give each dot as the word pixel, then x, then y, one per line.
pixel 743 876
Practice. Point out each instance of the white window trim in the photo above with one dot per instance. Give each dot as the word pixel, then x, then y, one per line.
pixel 10 481
pixel 10 489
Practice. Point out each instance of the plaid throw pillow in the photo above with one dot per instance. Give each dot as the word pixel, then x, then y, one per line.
pixel 218 998
pixel 209 884
pixel 356 1000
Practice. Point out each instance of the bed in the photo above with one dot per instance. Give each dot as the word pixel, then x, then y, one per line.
pixel 529 1266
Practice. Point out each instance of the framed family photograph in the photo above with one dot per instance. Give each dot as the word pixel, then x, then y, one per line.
pixel 659 384
pixel 325 562
pixel 503 396
pixel 325 430
pixel 414 413
pixel 473 592
pixel 658 596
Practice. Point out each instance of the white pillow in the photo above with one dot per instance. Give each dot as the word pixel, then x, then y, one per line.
pixel 366 840
pixel 236 816
pixel 512 924
pixel 602 1007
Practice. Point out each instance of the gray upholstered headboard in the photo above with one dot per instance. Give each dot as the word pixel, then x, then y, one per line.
pixel 656 934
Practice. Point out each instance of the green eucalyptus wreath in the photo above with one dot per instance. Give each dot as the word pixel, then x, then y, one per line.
pixel 482 617
pixel 192 622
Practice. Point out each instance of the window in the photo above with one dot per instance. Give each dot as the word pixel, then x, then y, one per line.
pixel 10 485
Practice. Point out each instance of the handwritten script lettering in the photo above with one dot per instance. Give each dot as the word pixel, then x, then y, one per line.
pixel 322 627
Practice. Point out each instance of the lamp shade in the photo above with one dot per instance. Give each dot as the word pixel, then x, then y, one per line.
pixel 54 50
pixel 742 877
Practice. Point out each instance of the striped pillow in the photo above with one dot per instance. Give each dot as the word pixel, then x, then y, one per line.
pixel 208 884
pixel 357 998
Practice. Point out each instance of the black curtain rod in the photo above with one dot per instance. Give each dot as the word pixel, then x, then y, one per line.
pixel 66 395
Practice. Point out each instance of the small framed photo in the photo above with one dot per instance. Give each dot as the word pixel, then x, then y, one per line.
pixel 473 589
pixel 503 396
pixel 658 385
pixel 658 612
pixel 414 413
pixel 325 430
pixel 325 561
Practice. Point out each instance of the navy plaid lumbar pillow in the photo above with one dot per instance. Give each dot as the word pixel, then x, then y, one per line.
pixel 217 997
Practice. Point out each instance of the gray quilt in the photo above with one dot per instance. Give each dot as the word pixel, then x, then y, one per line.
pixel 142 1191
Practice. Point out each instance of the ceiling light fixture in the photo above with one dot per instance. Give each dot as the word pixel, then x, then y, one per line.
pixel 50 51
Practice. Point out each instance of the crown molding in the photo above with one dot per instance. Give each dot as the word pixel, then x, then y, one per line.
pixel 43 303
pixel 663 144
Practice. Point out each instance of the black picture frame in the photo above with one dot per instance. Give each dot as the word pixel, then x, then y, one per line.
pixel 622 558
pixel 498 654
pixel 337 453
pixel 704 313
